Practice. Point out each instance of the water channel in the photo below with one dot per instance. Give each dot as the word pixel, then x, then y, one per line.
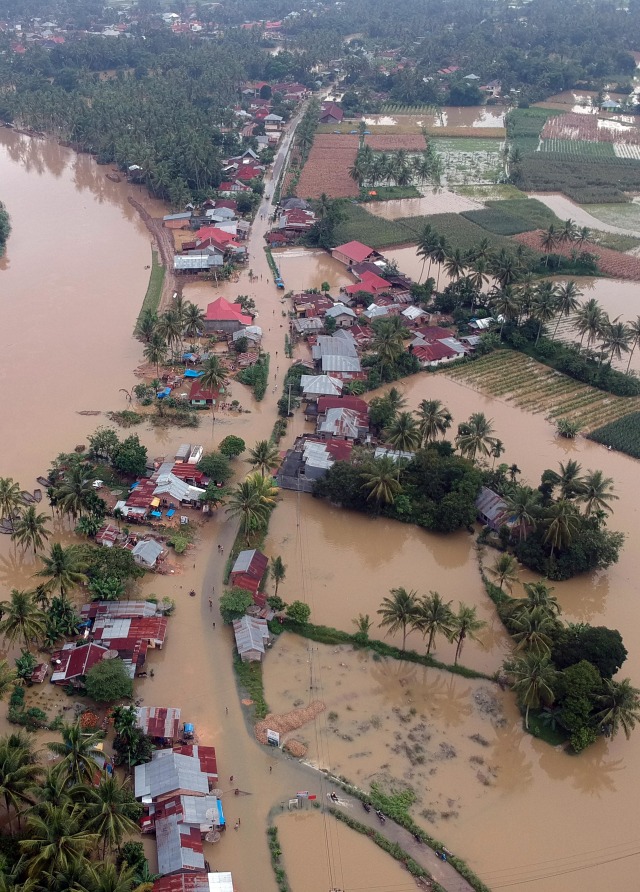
pixel 70 290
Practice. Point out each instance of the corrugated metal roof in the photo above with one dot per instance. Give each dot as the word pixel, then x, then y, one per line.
pixel 321 385
pixel 491 506
pixel 251 634
pixel 220 882
pixel 340 364
pixel 121 609
pixel 159 721
pixel 169 771
pixel 179 846
pixel 333 347
pixel 148 551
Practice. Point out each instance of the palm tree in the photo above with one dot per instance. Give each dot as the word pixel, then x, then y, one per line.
pixel 620 704
pixel 213 378
pixel 10 498
pixel 464 624
pixel 434 617
pixel 588 320
pixel 475 436
pixel 155 351
pixel 146 325
pixel 74 490
pixel 193 319
pixel 505 268
pixel 30 529
pixel 7 678
pixel 504 571
pixel 170 327
pixel 21 620
pixel 64 568
pixel 106 877
pixel 434 420
pixel 616 338
pixel 426 244
pixel 548 241
pixel 567 294
pixel 264 456
pixel 532 630
pixel 634 336
pixel 562 523
pixel 77 750
pixel 55 839
pixel 568 479
pixel 567 231
pixel 439 255
pixel 596 492
pixel 532 680
pixel 381 480
pixel 545 305
pixel 363 624
pixel 403 433
pixel 388 343
pixel 506 304
pixel 455 264
pixel 278 571
pixel 539 596
pixel 395 399
pixel 398 612
pixel 110 811
pixel 252 502
pixel 19 774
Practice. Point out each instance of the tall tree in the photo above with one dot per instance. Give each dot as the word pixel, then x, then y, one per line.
pixel 30 529
pixel 55 839
pixel 398 612
pixel 596 491
pixel 380 479
pixel 278 571
pixel 110 809
pixel 63 568
pixel 465 624
pixel 568 295
pixel 403 433
pixel 532 630
pixel 475 436
pixel 264 456
pixel 619 707
pixel 10 498
pixel 434 420
pixel 433 617
pixel 22 621
pixel 77 750
pixel 561 523
pixel 532 679
pixel 504 571
pixel 252 502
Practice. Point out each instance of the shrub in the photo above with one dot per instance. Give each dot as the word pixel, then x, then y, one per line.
pixel 234 603
pixel 256 377
pixel 232 446
pixel 109 680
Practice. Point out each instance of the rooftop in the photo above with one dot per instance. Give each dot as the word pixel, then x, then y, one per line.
pixel 355 251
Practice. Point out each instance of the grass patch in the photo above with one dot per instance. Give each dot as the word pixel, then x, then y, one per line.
pixel 154 288
pixel 498 221
pixel 623 434
pixel 458 231
pixel 625 215
pixel 127 418
pixel 387 193
pixel 362 226
pixel 614 240
pixel 544 731
pixel 249 676
pixel 490 192
pixel 533 212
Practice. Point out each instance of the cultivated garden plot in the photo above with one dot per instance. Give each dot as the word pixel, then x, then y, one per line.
pixel 537 388
pixel 327 168
pixel 470 161
pixel 625 215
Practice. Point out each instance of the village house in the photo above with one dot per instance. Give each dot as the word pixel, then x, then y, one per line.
pixel 343 316
pixel 330 113
pixel 309 460
pixel 179 846
pixel 249 569
pixel 369 283
pixel 120 609
pixel 108 535
pixel 342 418
pixel 147 552
pixel 252 638
pixel 354 252
pixel 177 221
pixel 195 263
pixel 492 509
pixel 314 386
pixel 195 881
pixel 305 327
pixel 171 772
pixel 226 317
pixel 308 306
pixel 187 453
pixel 72 662
pixel 161 723
pixel 200 397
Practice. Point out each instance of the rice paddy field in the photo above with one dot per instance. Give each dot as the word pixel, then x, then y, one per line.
pixel 470 161
pixel 536 388
pixel 623 435
pixel 626 215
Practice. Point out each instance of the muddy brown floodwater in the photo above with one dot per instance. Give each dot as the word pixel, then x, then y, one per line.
pixel 526 813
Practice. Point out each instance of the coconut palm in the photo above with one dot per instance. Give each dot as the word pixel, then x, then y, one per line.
pixel 77 750
pixel 532 630
pixel 55 839
pixel 620 707
pixel 567 232
pixel 567 480
pixel 532 680
pixel 568 303
pixel 506 304
pixel 252 502
pixel 106 877
pixel 110 809
pixel 596 492
pixel 616 338
pixel 433 617
pixel 403 433
pixel 545 305
pixel 146 325
pixel 439 255
pixel 214 377
pixel 363 624
pixel 74 491
pixel 562 524
pixel 193 319
pixel 455 264
pixel 278 571
pixel 505 268
pixel 22 621
pixel 464 624
pixel 155 351
pixel 264 456
pixel 30 529
pixel 523 508
pixel 504 571
pixel 64 568
pixel 582 236
pixel 479 274
pixel 434 420
pixel 10 498
pixel 427 243
pixel 634 336
pixel 395 399
pixel 475 436
pixel 381 480
pixel 19 774
pixel 588 320
pixel 388 343
pixel 398 612
pixel 170 327
pixel 539 596
pixel 549 240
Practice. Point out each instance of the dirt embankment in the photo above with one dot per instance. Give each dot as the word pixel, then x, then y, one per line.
pixel 286 723
pixel 164 243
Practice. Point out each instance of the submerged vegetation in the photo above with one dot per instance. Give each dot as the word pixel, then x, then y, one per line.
pixel 5 228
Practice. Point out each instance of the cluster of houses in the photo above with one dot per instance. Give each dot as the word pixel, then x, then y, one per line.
pixel 251 631
pixel 124 629
pixel 179 793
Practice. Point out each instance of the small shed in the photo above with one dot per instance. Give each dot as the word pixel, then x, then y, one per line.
pixel 491 508
pixel 252 637
pixel 147 553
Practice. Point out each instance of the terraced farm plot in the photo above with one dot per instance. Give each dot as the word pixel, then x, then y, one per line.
pixel 536 388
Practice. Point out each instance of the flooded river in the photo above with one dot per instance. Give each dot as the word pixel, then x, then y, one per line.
pixel 69 296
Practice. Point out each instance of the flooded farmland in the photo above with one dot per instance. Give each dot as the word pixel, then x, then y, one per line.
pixel 554 822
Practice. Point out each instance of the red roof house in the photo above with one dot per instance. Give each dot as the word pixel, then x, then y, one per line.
pixel 73 662
pixel 434 354
pixel 331 113
pixel 370 283
pixel 200 396
pixel 248 570
pixel 224 316
pixel 353 252
pixel 206 755
pixel 196 881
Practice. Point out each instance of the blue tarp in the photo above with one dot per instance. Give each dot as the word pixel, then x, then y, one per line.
pixel 162 393
pixel 156 513
pixel 191 373
pixel 171 512
pixel 221 819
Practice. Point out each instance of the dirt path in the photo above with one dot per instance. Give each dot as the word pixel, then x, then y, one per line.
pixel 443 872
pixel 164 243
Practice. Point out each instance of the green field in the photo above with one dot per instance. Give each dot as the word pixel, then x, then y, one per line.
pixel 469 160
pixel 458 231
pixel 498 221
pixel 377 232
pixel 623 434
pixel 626 215
pixel 578 148
pixel 490 192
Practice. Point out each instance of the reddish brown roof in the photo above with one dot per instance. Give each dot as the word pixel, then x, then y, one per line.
pixel 77 661
pixel 183 882
pixel 433 333
pixel 221 310
pixel 206 755
pixel 161 721
pixel 141 496
pixel 434 352
pixel 198 393
pixel 355 251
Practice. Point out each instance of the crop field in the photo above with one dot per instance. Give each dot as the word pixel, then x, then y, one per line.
pixel 472 160
pixel 458 231
pixel 589 128
pixel 578 148
pixel 534 387
pixel 622 434
pixel 610 262
pixel 327 168
pixel 395 108
pixel 536 214
pixel 378 232
pixel 626 214
pixel 586 181
pixel 498 221
pixel 490 192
